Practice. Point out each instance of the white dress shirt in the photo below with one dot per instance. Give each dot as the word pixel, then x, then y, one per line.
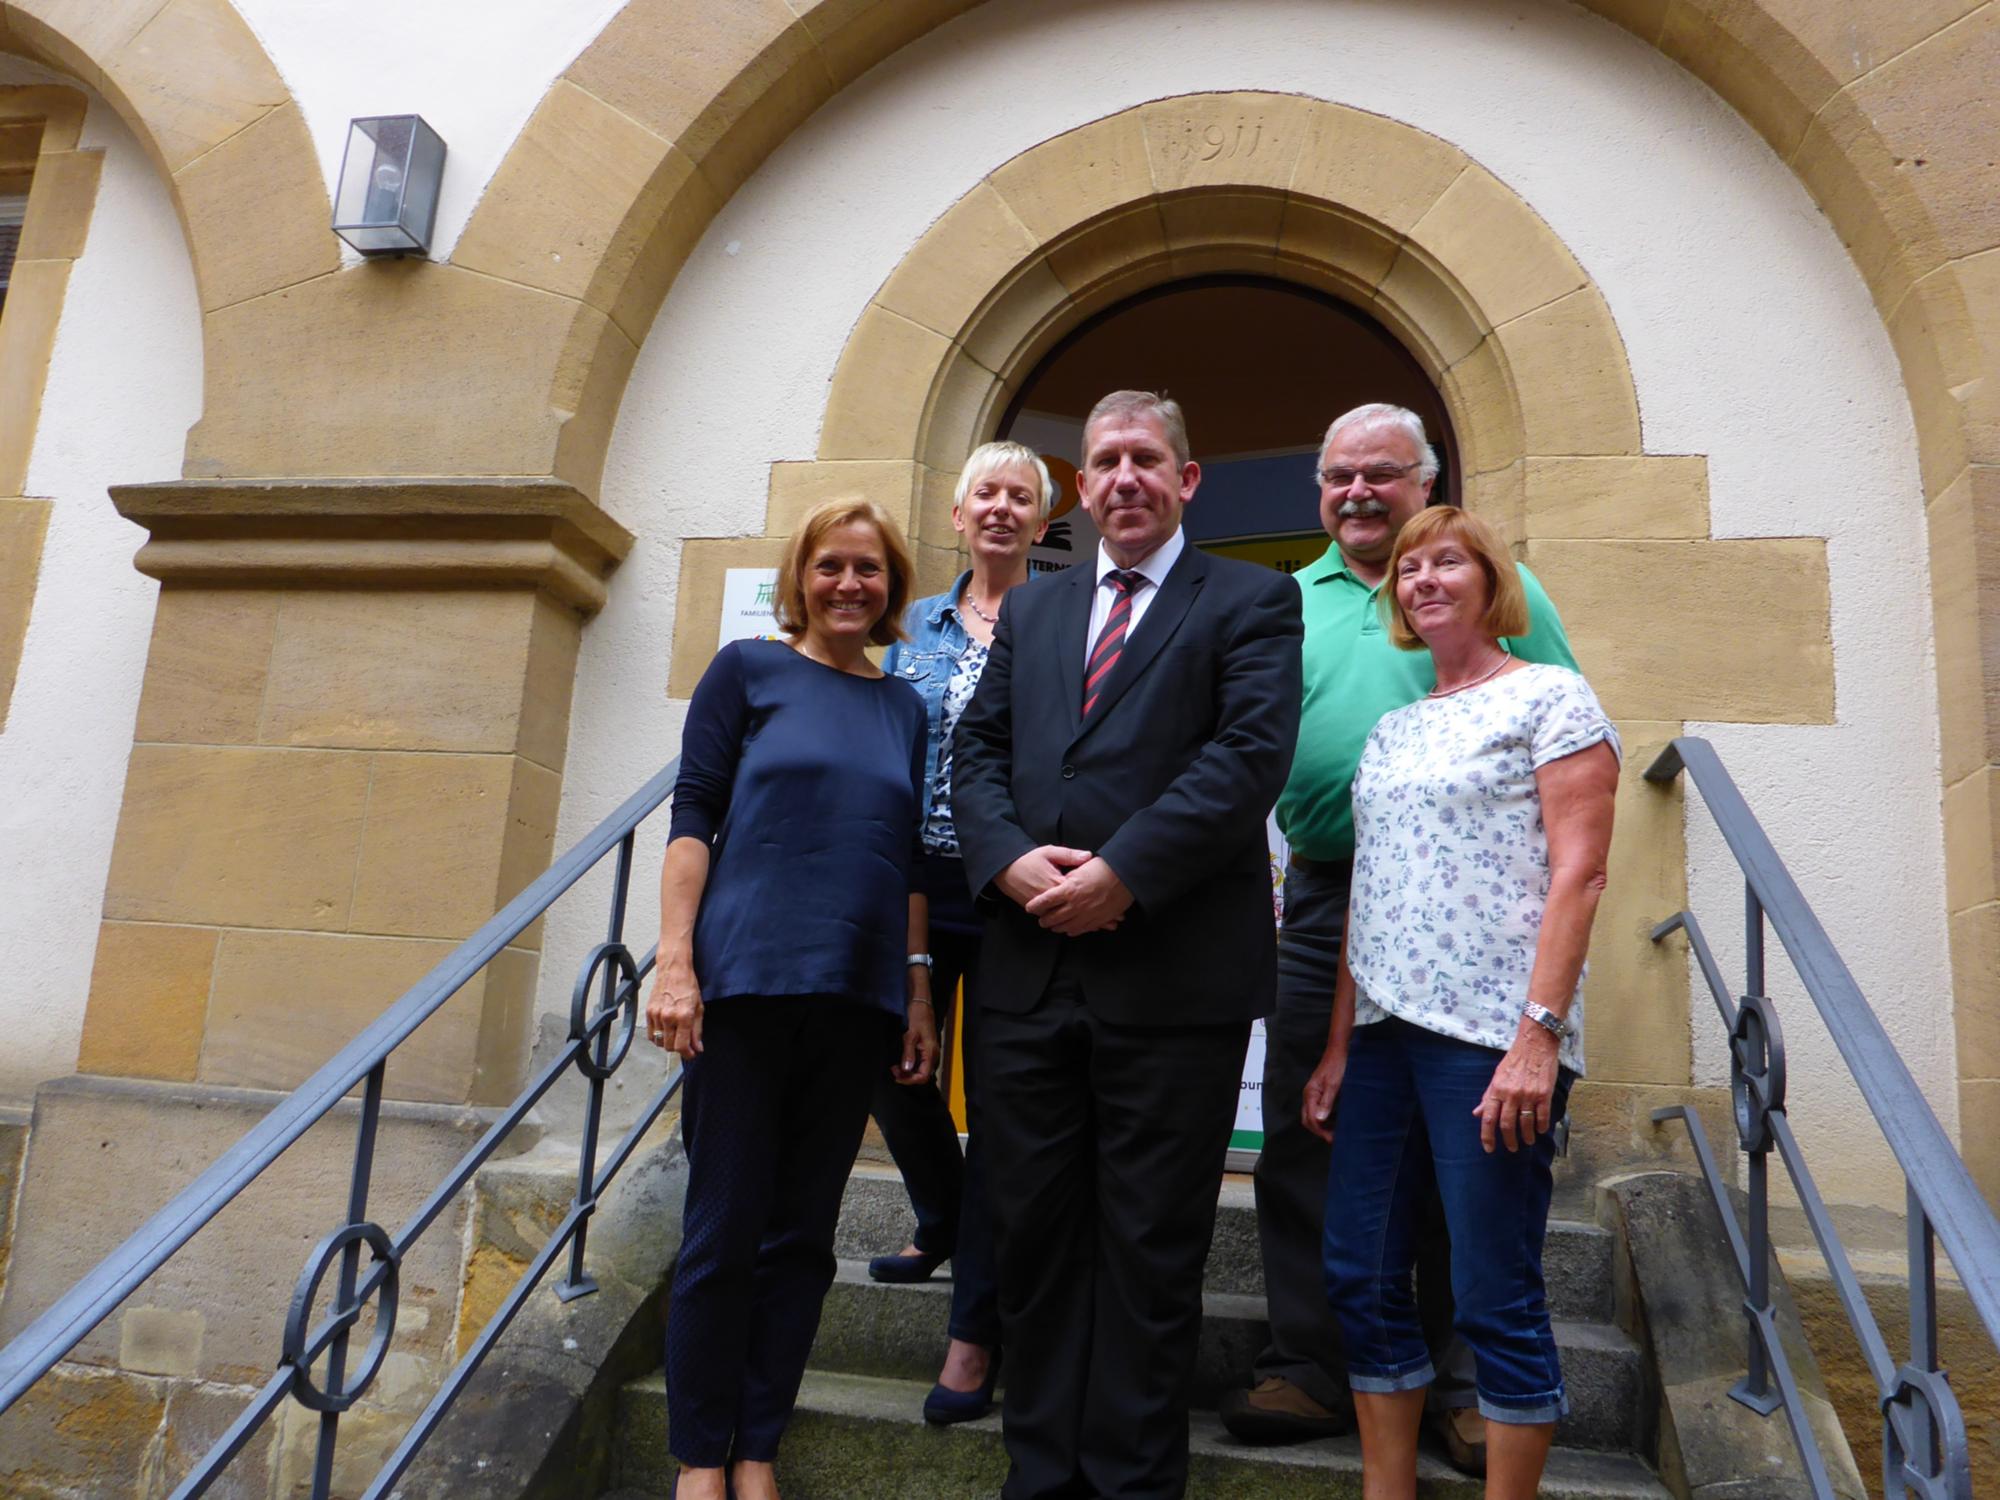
pixel 1155 567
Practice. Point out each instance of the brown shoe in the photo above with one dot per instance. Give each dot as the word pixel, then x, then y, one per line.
pixel 1462 1431
pixel 1276 1411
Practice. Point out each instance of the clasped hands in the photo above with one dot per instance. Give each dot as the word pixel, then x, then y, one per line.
pixel 1069 891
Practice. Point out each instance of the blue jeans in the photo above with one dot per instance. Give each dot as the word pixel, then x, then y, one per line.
pixel 1405 1120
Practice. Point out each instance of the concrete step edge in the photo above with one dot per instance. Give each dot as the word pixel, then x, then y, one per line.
pixel 876 1219
pixel 896 1405
pixel 897 1332
pixel 1586 1333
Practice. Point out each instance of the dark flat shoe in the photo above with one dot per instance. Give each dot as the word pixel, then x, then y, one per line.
pixel 944 1406
pixel 900 1270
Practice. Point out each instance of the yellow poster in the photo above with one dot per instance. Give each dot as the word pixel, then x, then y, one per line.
pixel 1285 553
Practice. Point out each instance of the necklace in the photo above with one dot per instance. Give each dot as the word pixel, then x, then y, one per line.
pixel 973 605
pixel 1439 692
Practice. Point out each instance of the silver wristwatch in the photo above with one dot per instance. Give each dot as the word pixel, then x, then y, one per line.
pixel 1548 1020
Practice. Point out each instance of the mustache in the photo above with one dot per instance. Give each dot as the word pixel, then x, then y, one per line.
pixel 1362 508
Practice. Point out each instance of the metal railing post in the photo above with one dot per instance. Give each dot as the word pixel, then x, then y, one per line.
pixel 1754 1390
pixel 350 1266
pixel 577 1282
pixel 1925 1451
pixel 1922 1446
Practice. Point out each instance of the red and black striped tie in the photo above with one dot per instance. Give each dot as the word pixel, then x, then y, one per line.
pixel 1111 639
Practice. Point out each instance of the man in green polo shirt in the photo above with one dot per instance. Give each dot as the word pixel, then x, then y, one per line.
pixel 1376 469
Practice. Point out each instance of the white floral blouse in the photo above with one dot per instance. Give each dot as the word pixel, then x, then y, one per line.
pixel 1451 864
pixel 940 832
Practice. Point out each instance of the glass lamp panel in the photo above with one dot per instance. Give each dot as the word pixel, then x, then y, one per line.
pixel 380 239
pixel 424 174
pixel 374 171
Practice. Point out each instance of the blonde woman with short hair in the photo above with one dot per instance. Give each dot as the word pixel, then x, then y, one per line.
pixel 1000 510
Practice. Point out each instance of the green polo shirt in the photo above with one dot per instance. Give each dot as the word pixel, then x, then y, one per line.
pixel 1354 674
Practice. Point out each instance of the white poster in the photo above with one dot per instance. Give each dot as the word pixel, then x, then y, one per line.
pixel 1249 1132
pixel 748 595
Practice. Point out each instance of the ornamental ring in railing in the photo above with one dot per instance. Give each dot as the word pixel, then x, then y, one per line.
pixel 581 1023
pixel 1756 1070
pixel 295 1352
pixel 1927 1398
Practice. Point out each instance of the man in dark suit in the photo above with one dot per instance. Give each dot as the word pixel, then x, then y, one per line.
pixel 1112 775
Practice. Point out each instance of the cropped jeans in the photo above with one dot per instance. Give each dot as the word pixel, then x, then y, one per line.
pixel 1405 1118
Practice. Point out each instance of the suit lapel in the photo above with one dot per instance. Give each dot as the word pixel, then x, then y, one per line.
pixel 1162 618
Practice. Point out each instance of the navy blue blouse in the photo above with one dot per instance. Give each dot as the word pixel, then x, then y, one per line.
pixel 807 782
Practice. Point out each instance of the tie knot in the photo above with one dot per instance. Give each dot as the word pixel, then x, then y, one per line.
pixel 1125 580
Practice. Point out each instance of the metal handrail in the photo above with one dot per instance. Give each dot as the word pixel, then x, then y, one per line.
pixel 609 971
pixel 1925 1449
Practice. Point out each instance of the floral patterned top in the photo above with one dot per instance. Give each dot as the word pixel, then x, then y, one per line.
pixel 940 833
pixel 1451 864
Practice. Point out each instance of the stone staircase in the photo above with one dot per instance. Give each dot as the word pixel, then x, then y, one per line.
pixel 858 1432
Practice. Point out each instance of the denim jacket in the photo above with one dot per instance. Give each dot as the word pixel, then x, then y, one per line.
pixel 925 661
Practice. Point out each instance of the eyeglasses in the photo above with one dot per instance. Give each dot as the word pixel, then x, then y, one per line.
pixel 1376 475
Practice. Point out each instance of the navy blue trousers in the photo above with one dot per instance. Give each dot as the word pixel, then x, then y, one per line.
pixel 948 1192
pixel 771 1114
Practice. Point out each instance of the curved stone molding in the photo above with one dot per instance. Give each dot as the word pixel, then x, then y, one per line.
pixel 61 196
pixel 374 535
pixel 1523 347
pixel 658 120
pixel 203 98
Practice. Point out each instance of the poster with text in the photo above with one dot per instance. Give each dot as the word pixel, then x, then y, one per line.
pixel 748 595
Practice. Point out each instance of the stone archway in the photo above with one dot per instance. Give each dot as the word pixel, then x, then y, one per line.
pixel 1879 109
pixel 1502 318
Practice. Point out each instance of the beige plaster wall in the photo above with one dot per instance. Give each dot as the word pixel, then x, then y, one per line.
pixel 119 383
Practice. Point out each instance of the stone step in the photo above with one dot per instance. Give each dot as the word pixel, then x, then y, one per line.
pixel 859 1438
pixel 875 1219
pixel 898 1333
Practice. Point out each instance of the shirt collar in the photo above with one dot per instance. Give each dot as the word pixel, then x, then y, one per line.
pixel 1332 565
pixel 947 602
pixel 1154 566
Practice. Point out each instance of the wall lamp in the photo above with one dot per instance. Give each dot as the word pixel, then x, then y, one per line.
pixel 387 201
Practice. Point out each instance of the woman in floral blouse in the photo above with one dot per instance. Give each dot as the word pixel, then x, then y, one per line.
pixel 1482 819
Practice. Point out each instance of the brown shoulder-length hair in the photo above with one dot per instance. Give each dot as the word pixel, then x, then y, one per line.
pixel 790 608
pixel 1506 603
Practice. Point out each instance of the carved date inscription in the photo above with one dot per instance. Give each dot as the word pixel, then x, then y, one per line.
pixel 1208 141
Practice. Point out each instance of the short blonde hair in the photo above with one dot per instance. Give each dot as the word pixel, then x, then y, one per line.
pixel 1506 601
pixel 990 458
pixel 1158 405
pixel 828 515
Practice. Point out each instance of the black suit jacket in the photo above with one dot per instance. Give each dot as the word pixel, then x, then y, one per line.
pixel 1169 780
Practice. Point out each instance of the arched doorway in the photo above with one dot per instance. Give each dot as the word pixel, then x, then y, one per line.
pixel 1260 366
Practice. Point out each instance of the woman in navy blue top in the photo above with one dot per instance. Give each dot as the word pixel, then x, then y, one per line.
pixel 792 956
